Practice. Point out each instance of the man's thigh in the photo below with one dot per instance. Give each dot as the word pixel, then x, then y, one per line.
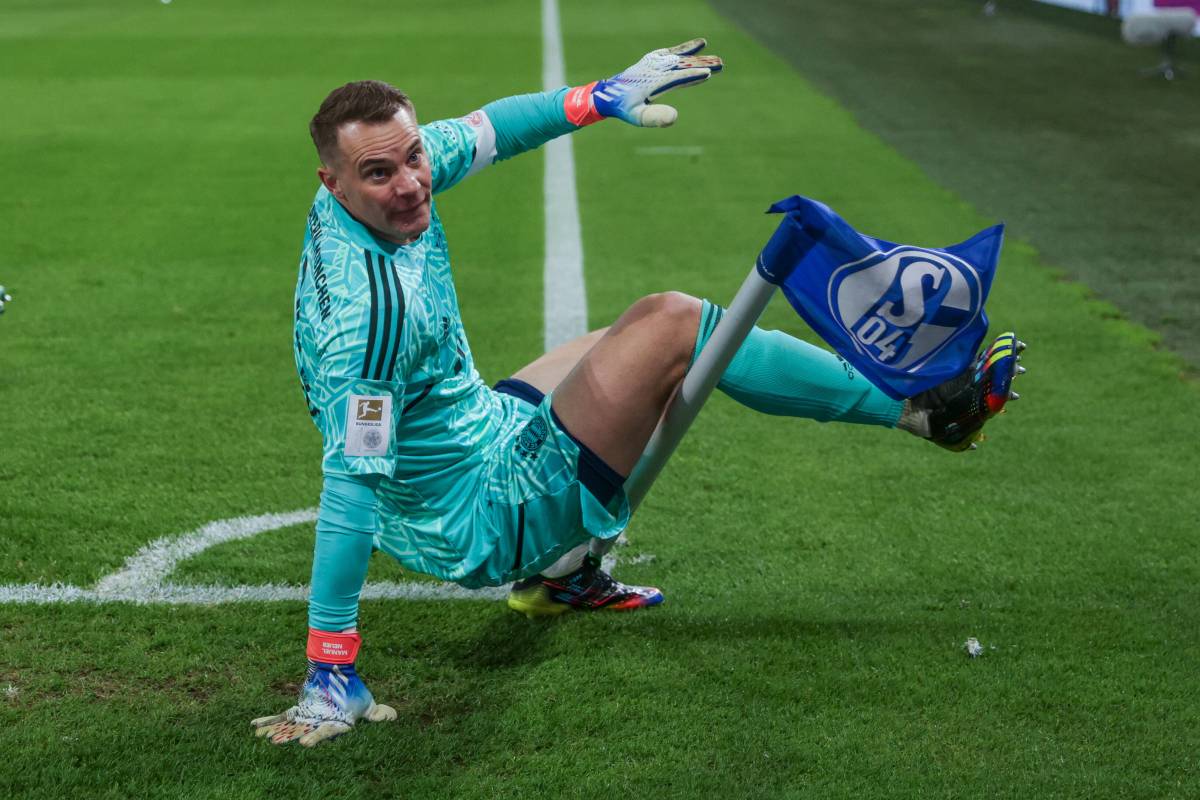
pixel 548 371
pixel 615 395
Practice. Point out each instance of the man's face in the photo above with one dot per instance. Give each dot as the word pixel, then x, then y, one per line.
pixel 381 175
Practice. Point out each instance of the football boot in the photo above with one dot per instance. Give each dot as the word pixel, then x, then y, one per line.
pixel 955 411
pixel 588 588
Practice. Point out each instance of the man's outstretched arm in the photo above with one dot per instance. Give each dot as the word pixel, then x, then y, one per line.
pixel 528 121
pixel 525 122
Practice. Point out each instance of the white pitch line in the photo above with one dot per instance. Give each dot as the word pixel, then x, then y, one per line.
pixel 42 593
pixel 386 590
pixel 212 594
pixel 564 299
pixel 143 578
pixel 149 567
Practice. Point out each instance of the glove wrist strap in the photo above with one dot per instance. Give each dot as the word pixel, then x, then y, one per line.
pixel 580 107
pixel 333 648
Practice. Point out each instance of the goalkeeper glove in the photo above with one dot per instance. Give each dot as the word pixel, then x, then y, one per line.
pixel 629 94
pixel 332 698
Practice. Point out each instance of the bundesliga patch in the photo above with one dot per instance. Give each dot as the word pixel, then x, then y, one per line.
pixel 368 425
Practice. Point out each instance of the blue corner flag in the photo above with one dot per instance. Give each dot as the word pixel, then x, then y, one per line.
pixel 907 317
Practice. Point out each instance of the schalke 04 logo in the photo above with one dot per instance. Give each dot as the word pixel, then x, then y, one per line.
pixel 903 306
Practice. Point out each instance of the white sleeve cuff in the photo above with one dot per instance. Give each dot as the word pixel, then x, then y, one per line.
pixel 485 140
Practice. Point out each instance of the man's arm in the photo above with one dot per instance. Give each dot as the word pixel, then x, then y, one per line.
pixel 333 697
pixel 345 531
pixel 513 125
pixel 526 122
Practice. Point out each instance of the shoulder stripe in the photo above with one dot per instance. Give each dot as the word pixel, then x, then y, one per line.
pixel 386 321
pixel 393 352
pixel 386 318
pixel 372 318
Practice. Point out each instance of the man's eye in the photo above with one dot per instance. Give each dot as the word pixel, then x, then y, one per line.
pixel 415 157
pixel 377 174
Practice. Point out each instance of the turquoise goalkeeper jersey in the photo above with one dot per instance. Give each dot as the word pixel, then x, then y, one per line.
pixel 387 371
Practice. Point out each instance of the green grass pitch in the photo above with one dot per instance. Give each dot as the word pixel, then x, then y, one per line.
pixel 821 580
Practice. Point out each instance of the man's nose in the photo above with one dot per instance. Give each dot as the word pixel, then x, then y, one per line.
pixel 406 183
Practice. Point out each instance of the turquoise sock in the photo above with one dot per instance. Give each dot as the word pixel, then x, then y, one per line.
pixel 778 374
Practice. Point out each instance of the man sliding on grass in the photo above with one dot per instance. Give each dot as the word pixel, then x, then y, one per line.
pixel 524 481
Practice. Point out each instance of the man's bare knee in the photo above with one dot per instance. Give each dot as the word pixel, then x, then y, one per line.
pixel 676 307
pixel 673 317
pixel 676 320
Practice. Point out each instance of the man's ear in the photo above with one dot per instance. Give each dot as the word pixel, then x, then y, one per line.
pixel 329 179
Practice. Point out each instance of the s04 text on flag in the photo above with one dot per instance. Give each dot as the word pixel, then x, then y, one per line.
pixel 907 317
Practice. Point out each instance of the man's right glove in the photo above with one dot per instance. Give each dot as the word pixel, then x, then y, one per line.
pixel 332 698
pixel 628 95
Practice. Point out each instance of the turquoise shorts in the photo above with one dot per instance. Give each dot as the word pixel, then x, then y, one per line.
pixel 543 493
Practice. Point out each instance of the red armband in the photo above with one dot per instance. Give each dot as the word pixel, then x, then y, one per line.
pixel 333 648
pixel 580 108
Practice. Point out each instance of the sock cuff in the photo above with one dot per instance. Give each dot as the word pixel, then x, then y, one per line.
pixel 568 562
pixel 710 315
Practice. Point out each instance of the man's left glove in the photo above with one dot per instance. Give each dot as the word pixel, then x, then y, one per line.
pixel 629 94
pixel 332 698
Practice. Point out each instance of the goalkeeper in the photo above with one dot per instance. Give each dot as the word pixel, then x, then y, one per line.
pixel 524 481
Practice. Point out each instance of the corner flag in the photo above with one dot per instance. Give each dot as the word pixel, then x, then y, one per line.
pixel 907 317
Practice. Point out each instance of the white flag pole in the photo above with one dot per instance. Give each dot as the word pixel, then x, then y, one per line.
pixel 747 306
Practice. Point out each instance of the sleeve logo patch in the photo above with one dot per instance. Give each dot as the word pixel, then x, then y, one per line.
pixel 368 425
